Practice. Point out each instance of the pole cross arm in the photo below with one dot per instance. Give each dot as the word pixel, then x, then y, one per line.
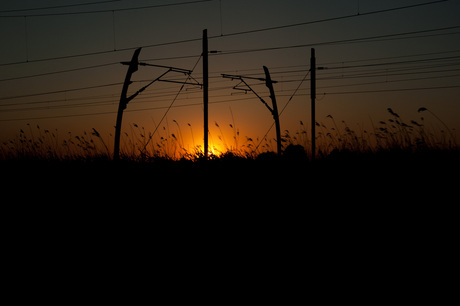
pixel 249 88
pixel 231 76
pixel 181 82
pixel 244 88
pixel 134 63
pixel 269 83
pixel 240 77
pixel 159 79
pixel 175 69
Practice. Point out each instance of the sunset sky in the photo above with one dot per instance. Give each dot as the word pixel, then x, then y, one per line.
pixel 60 64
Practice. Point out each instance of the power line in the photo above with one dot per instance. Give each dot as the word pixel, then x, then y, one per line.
pixel 341 41
pixel 103 11
pixel 339 67
pixel 393 81
pixel 396 63
pixel 57 6
pixel 59 91
pixel 57 72
pixel 228 34
pixel 331 19
pixel 104 52
pixel 232 100
pixel 385 74
pixel 193 56
pixel 374 72
pixel 366 74
pixel 175 98
pixel 362 39
pixel 113 100
pixel 220 72
pixel 391 90
pixel 355 66
pixel 128 110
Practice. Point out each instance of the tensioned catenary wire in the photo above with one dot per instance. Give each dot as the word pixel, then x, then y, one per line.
pixel 198 104
pixel 113 100
pixel 233 34
pixel 101 11
pixel 331 68
pixel 57 6
pixel 193 56
pixel 344 41
pixel 174 100
pixel 148 98
pixel 233 100
pixel 69 90
pixel 60 91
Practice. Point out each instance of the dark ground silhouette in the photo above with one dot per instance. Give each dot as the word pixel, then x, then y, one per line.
pixel 354 174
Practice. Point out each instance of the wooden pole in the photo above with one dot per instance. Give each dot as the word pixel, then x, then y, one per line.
pixel 205 91
pixel 269 83
pixel 313 97
pixel 124 101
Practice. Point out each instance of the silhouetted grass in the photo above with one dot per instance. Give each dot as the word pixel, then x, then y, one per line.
pixel 395 135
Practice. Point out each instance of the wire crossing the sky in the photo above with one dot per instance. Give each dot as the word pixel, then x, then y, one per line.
pixel 57 6
pixel 225 35
pixel 376 68
pixel 95 11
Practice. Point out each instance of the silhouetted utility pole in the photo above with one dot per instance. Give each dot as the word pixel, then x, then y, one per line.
pixel 205 91
pixel 313 97
pixel 133 65
pixel 274 111
pixel 269 83
pixel 313 69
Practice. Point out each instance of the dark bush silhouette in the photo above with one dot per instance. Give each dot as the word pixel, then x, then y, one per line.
pixel 294 153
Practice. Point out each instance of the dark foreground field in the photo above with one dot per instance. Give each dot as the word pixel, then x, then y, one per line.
pixel 385 172
pixel 387 215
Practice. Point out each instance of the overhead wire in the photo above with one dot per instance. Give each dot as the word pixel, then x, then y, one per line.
pixel 229 52
pixel 57 72
pixel 244 51
pixel 229 101
pixel 166 94
pixel 60 91
pixel 392 90
pixel 57 6
pixel 218 76
pixel 174 100
pixel 96 66
pixel 229 34
pixel 388 72
pixel 342 41
pixel 102 11
pixel 331 19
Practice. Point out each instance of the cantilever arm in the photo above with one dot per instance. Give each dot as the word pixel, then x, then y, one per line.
pixel 241 78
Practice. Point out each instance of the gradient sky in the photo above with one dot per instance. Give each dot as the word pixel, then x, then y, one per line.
pixel 401 52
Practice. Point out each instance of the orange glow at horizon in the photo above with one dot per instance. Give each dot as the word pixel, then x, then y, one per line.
pixel 63 74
